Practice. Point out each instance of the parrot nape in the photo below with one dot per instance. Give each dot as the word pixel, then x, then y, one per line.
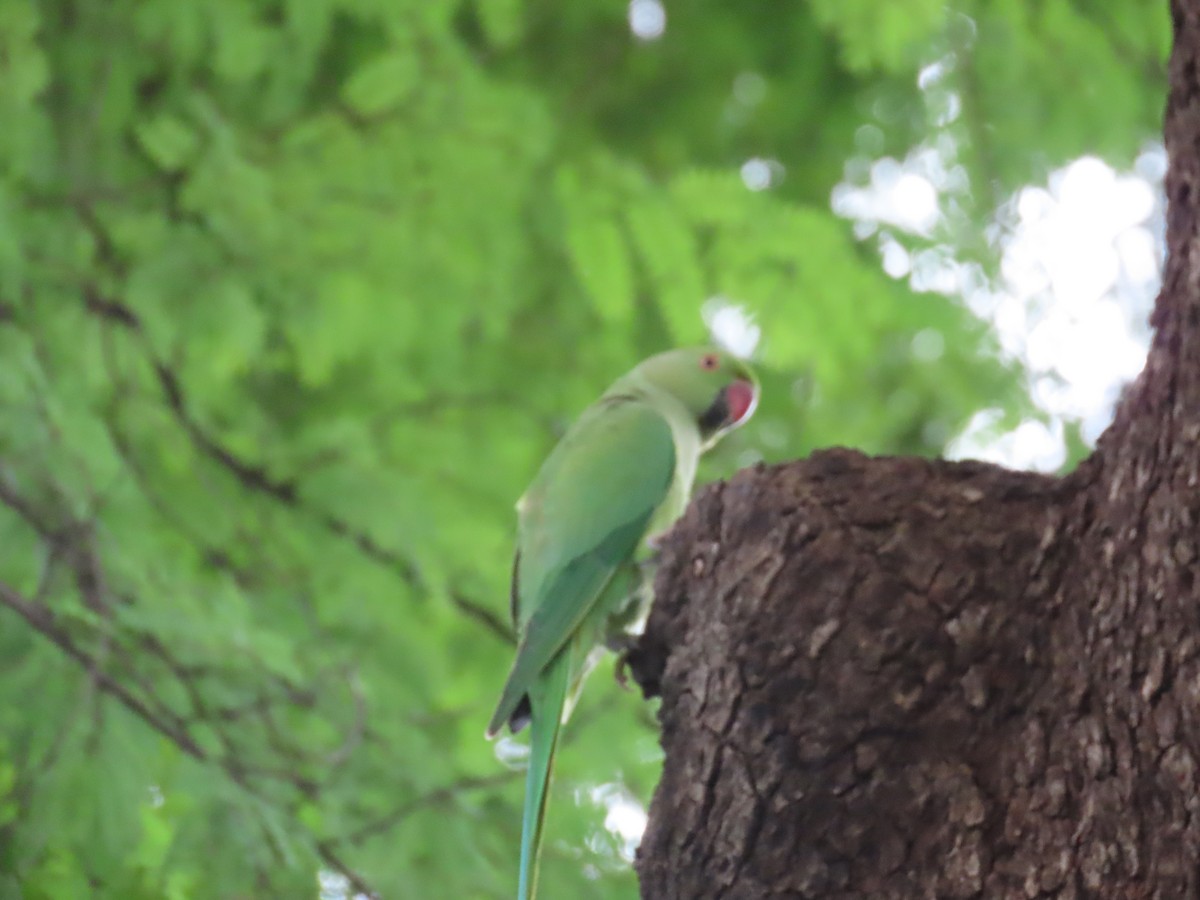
pixel 621 473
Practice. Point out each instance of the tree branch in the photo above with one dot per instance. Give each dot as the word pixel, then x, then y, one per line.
pixel 430 798
pixel 43 620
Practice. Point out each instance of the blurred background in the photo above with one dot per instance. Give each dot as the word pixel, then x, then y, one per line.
pixel 296 294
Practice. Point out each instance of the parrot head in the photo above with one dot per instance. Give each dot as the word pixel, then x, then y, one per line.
pixel 716 388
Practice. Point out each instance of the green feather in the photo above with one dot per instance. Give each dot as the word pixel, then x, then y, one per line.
pixel 547 700
pixel 573 540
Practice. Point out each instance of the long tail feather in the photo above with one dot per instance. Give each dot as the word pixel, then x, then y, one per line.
pixel 547 697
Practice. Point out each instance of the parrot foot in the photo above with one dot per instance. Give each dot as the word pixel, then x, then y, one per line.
pixel 622 665
pixel 622 644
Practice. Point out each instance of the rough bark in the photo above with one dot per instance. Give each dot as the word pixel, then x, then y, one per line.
pixel 909 678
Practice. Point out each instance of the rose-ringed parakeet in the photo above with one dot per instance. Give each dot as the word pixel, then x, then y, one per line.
pixel 621 473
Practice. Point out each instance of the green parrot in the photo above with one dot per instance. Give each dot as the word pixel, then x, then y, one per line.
pixel 621 473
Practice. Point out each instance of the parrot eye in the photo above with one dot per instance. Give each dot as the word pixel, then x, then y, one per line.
pixel 709 361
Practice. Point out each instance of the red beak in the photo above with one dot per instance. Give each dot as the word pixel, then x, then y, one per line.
pixel 741 398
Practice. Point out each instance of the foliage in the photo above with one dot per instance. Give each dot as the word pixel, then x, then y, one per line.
pixel 295 295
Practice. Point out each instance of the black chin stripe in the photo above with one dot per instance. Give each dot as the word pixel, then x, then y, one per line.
pixel 715 416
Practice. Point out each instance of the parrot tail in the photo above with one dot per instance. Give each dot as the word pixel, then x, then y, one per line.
pixel 548 697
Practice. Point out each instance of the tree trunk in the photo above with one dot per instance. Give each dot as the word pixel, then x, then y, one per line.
pixel 912 678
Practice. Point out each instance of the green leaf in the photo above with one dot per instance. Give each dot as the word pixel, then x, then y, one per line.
pixel 502 20
pixel 601 259
pixel 168 141
pixel 382 83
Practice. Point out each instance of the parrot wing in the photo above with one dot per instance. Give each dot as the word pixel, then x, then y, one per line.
pixel 581 520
